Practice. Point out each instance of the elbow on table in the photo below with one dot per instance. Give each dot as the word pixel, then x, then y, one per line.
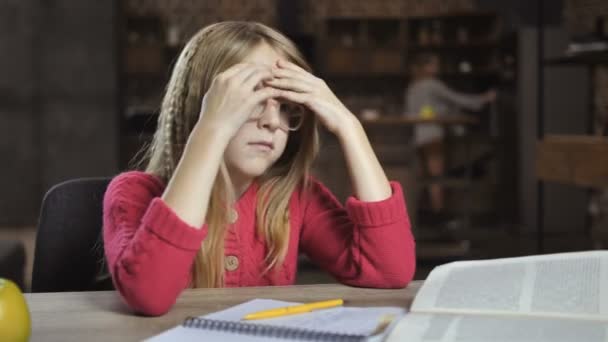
pixel 149 307
pixel 145 301
pixel 399 275
pixel 402 278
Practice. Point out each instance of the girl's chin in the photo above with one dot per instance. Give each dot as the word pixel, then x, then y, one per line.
pixel 251 171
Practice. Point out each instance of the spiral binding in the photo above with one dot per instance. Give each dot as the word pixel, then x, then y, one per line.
pixel 263 330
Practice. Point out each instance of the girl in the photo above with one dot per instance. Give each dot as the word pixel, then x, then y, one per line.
pixel 227 200
pixel 427 91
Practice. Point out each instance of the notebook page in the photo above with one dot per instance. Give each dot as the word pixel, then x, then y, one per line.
pixel 234 313
pixel 344 320
pixel 417 327
pixel 237 312
pixel 183 334
pixel 566 284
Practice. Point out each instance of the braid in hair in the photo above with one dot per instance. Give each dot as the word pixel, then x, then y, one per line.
pixel 173 108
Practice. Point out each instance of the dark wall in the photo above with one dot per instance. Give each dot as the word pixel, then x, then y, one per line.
pixel 19 183
pixel 58 98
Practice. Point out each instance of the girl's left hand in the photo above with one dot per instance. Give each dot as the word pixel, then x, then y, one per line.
pixel 301 87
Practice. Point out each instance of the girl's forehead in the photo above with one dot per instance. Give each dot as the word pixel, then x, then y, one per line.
pixel 263 54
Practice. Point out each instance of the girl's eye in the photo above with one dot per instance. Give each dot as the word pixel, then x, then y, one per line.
pixel 292 115
pixel 296 112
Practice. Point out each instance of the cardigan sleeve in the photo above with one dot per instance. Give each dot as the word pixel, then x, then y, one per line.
pixel 149 249
pixel 366 244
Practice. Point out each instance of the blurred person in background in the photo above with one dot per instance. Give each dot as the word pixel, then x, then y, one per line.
pixel 428 97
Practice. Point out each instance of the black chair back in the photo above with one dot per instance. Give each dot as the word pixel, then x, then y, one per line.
pixel 69 247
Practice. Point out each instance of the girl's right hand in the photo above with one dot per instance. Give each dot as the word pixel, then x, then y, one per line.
pixel 234 95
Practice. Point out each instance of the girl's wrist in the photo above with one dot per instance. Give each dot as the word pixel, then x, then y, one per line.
pixel 206 133
pixel 351 129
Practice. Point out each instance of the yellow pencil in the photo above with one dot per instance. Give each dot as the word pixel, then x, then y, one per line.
pixel 294 309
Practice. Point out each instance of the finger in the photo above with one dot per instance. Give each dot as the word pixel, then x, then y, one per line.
pixel 282 63
pixel 307 79
pixel 289 84
pixel 306 100
pixel 299 98
pixel 255 78
pixel 302 77
pixel 263 94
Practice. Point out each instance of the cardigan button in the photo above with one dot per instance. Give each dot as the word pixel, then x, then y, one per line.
pixel 231 263
pixel 233 216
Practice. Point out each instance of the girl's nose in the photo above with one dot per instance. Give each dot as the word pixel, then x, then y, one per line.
pixel 270 117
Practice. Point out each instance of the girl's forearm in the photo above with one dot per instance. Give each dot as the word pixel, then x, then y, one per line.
pixel 189 189
pixel 367 176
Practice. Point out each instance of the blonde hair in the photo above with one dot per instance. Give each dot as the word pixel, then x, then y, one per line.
pixel 209 52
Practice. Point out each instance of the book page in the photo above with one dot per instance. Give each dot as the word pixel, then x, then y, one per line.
pixel 417 327
pixel 566 284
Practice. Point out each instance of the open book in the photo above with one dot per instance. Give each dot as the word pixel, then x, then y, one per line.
pixel 558 297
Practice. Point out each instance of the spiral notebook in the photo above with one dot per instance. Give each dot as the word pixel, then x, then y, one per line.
pixel 337 324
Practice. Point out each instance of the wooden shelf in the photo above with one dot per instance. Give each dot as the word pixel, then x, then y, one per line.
pixel 412 120
pixel 478 73
pixel 571 159
pixel 455 15
pixel 345 74
pixel 592 58
pixel 454 45
pixel 381 47
pixel 448 182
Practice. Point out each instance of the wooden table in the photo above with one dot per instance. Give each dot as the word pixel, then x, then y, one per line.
pixel 101 316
